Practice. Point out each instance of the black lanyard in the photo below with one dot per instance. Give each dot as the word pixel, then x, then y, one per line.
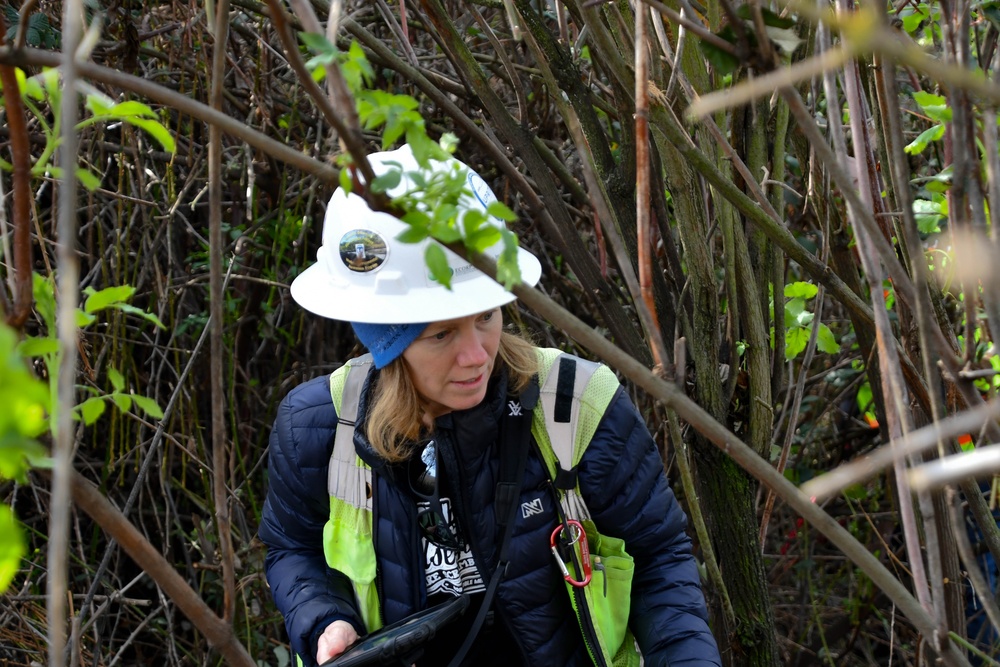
pixel 515 438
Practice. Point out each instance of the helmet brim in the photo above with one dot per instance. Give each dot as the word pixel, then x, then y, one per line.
pixel 324 294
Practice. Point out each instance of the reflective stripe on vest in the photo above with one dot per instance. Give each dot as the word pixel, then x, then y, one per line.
pixel 560 396
pixel 347 536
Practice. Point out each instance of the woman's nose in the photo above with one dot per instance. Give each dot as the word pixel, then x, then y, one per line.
pixel 471 351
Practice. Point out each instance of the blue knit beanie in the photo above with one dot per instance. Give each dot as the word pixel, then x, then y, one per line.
pixel 387 341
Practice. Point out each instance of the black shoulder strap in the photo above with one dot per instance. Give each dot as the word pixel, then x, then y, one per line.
pixel 515 438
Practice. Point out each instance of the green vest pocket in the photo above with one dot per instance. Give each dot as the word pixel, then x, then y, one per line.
pixel 609 596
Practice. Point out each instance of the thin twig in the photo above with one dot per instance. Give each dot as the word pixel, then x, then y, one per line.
pixel 980 463
pixel 398 31
pixel 598 196
pixel 20 275
pixel 893 386
pixel 220 445
pixel 515 81
pixel 642 189
pixel 68 289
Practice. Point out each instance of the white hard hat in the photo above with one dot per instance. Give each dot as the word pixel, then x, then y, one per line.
pixel 363 273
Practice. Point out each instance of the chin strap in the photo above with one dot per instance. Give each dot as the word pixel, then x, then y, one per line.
pixel 515 439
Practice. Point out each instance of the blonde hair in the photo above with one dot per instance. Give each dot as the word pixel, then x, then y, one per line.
pixel 394 420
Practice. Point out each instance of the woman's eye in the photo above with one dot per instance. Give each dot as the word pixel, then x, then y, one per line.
pixel 486 317
pixel 440 335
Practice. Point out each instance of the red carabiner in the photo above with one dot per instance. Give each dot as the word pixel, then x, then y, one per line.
pixel 581 537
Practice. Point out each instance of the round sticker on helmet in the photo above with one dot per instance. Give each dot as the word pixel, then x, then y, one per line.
pixel 363 250
pixel 480 189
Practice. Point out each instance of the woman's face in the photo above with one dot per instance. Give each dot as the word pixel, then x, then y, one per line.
pixel 451 362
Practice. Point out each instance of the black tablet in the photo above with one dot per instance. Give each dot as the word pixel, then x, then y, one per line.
pixel 396 640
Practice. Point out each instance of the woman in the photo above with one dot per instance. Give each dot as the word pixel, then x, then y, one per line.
pixel 430 441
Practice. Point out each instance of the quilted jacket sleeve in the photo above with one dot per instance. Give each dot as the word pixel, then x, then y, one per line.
pixel 308 594
pixel 623 484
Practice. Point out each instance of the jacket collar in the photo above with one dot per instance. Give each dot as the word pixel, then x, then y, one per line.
pixel 475 428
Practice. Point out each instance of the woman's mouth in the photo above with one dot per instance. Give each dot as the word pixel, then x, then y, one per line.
pixel 472 382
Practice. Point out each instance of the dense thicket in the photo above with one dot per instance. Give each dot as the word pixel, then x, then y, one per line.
pixel 806 257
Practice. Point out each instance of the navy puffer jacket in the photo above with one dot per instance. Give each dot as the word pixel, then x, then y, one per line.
pixel 622 481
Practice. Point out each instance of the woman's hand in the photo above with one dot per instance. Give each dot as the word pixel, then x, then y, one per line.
pixel 335 640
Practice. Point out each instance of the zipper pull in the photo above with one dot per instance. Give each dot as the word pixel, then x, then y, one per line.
pixel 598 565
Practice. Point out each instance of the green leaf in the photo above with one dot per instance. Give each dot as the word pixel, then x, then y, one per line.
pixel 912 21
pixel 796 339
pixel 934 106
pixel 437 263
pixel 508 270
pixel 318 43
pixel 139 312
pixel 30 85
pixel 92 409
pixel 156 130
pixel 107 297
pixel 928 215
pixel 924 139
pixel 395 126
pixel 131 108
pixel 786 39
pixel 826 342
pixel 99 105
pixel 123 401
pixel 801 290
pixel 18 454
pixel 925 99
pixel 88 179
pixel 723 61
pixel 346 182
pixel 417 218
pixel 117 381
pixel 84 319
pixel 444 232
pixel 424 148
pixel 445 213
pixel 793 309
pixel 413 235
pixel 856 492
pixel 938 186
pixel 148 405
pixel 448 142
pixel 13 547
pixel 472 220
pixel 500 210
pixel 386 181
pixel 53 83
pixel 356 69
pixel 37 347
pixel 483 238
pixel 43 290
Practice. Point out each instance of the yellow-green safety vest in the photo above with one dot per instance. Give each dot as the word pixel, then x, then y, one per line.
pixel 569 409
